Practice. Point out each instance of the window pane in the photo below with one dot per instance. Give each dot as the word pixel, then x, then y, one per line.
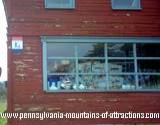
pixel 149 66
pixel 119 66
pixel 148 50
pixel 126 4
pixel 60 4
pixel 91 66
pixel 60 50
pixel 61 66
pixel 149 82
pixel 124 82
pixel 61 82
pixel 91 50
pixel 120 50
pixel 92 82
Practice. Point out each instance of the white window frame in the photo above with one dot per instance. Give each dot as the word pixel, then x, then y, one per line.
pixel 106 40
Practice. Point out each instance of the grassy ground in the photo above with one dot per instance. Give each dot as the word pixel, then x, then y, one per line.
pixel 2 109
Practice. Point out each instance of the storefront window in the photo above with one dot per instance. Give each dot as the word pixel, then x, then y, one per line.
pixel 100 66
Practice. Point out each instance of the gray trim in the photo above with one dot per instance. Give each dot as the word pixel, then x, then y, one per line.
pixel 149 73
pixel 135 65
pixel 104 91
pixel 44 66
pixel 94 58
pixel 77 66
pixel 106 67
pixel 76 39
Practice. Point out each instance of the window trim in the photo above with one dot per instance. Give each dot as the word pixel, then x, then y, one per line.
pixel 75 39
pixel 123 7
pixel 70 5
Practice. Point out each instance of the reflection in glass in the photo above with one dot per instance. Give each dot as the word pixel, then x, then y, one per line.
pixel 119 66
pixel 90 50
pixel 91 66
pixel 60 50
pixel 61 82
pixel 124 82
pixel 120 50
pixel 61 66
pixel 148 50
pixel 149 66
pixel 92 82
pixel 149 81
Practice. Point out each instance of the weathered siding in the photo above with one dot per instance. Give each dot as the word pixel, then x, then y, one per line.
pixel 90 18
pixel 29 19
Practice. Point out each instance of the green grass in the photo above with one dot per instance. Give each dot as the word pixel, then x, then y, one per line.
pixel 2 109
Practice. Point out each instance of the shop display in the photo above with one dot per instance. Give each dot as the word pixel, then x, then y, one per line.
pixel 125 82
pixel 115 82
pixel 114 68
pixel 91 66
pixel 61 82
pixel 98 67
pixel 84 67
pixel 61 66
pixel 149 81
pixel 90 82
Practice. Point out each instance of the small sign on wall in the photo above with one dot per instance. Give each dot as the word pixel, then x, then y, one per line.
pixel 17 44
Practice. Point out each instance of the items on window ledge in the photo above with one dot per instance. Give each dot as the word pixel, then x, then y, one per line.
pixel 149 81
pixel 125 82
pixel 92 82
pixel 61 82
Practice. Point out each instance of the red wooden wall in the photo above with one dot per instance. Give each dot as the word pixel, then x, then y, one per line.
pixel 29 19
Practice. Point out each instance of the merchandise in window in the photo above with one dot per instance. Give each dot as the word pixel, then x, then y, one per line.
pixel 61 66
pixel 61 82
pixel 120 66
pixel 91 66
pixel 122 82
pixel 92 82
pixel 149 81
pixel 101 66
